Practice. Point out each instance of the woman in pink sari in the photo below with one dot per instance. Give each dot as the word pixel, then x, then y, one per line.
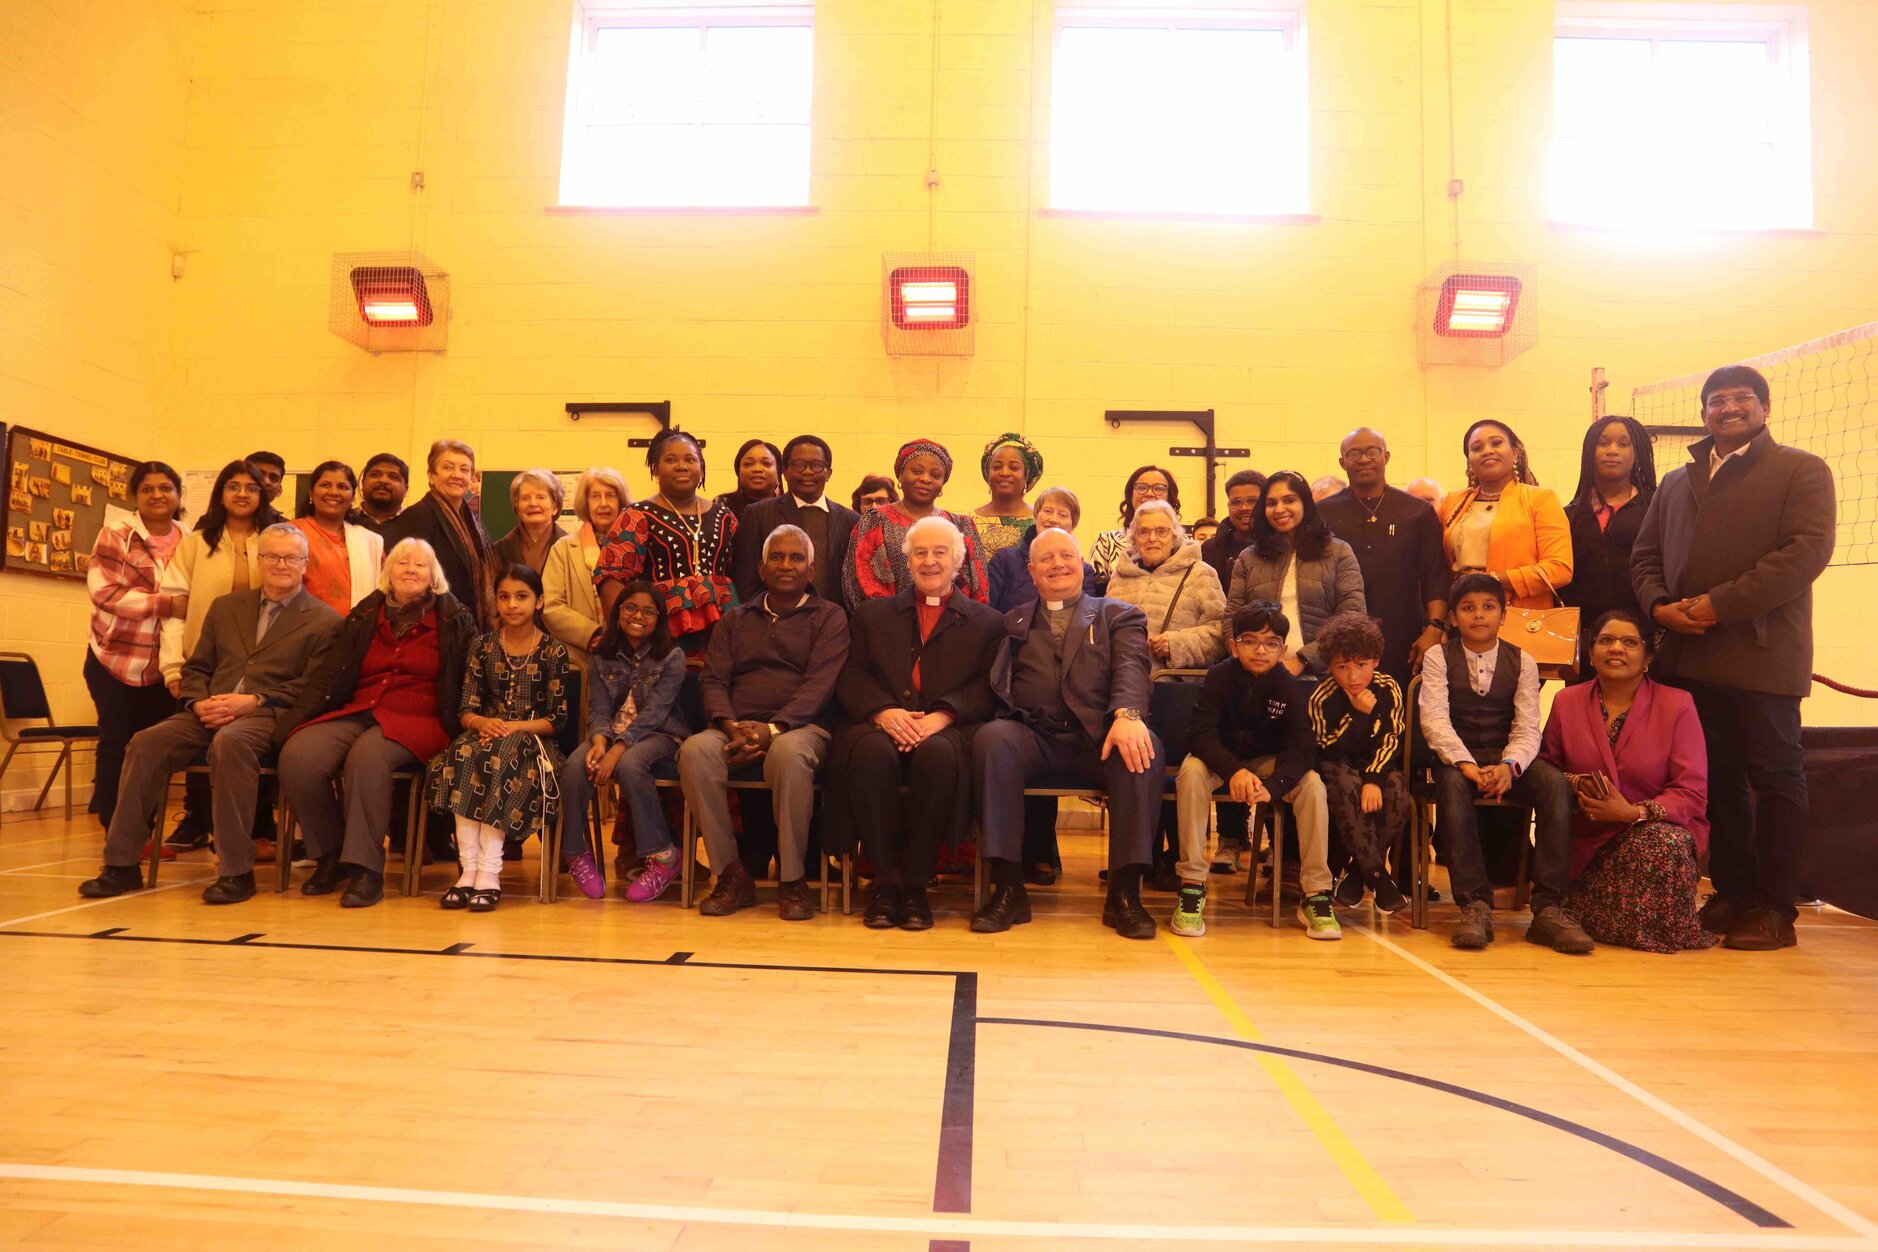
pixel 1637 848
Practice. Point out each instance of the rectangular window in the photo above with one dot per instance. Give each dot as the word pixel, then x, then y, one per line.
pixel 688 105
pixel 1196 109
pixel 1681 116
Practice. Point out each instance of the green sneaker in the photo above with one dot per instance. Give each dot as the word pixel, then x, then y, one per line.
pixel 1190 911
pixel 1320 920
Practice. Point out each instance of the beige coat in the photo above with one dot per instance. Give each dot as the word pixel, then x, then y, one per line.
pixel 1196 629
pixel 204 578
pixel 569 605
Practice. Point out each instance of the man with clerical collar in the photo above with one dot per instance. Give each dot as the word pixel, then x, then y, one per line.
pixel 807 463
pixel 1073 685
pixel 250 663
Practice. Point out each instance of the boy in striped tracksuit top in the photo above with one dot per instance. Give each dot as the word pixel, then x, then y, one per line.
pixel 1357 716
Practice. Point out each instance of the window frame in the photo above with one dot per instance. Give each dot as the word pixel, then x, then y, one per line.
pixel 1287 19
pixel 573 192
pixel 1782 28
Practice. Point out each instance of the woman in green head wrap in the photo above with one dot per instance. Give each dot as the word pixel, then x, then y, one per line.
pixel 1011 466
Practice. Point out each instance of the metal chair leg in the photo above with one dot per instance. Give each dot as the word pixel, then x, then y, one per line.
pixel 847 884
pixel 1253 823
pixel 71 762
pixel 823 858
pixel 1421 861
pixel 284 822
pixel 64 754
pixel 1278 865
pixel 687 852
pixel 156 836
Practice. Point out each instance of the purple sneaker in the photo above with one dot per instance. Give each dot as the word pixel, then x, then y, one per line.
pixel 661 871
pixel 586 876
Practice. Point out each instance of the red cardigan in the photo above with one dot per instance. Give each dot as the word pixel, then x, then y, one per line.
pixel 1661 756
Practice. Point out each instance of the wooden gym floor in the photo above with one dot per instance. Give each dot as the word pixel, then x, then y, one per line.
pixel 285 1074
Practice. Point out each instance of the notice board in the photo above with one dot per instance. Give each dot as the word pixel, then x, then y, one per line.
pixel 60 494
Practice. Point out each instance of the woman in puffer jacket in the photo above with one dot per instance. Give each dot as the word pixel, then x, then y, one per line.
pixel 1162 573
pixel 1295 562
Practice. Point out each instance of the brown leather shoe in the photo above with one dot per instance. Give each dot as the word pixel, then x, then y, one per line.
pixel 1761 929
pixel 793 902
pixel 264 851
pixel 1556 929
pixel 1718 914
pixel 735 890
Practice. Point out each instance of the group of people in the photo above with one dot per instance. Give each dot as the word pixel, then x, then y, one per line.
pixel 924 668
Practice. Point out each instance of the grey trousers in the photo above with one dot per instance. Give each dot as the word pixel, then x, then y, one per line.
pixel 352 754
pixel 789 768
pixel 234 754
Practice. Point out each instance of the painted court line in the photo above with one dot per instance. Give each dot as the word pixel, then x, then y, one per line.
pixel 64 860
pixel 964 1227
pixel 92 904
pixel 1714 1138
pixel 1376 1193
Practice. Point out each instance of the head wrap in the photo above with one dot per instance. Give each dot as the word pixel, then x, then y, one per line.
pixel 910 450
pixel 1033 459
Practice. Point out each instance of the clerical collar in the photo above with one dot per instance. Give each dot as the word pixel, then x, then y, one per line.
pixel 933 601
pixel 1057 606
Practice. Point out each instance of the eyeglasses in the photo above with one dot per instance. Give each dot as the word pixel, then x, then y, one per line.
pixel 1157 490
pixel 1258 643
pixel 649 612
pixel 1365 454
pixel 1617 641
pixel 799 466
pixel 275 558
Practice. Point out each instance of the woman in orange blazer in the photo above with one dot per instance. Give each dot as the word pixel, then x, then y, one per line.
pixel 1504 523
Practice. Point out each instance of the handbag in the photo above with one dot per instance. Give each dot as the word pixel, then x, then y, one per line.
pixel 1548 636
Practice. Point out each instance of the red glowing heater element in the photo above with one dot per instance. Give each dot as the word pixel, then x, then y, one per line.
pixel 930 297
pixel 1476 306
pixel 391 295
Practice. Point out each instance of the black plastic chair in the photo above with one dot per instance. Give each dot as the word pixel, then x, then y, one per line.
pixel 23 698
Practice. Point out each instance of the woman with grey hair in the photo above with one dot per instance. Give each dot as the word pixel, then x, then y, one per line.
pixel 383 697
pixel 570 606
pixel 916 685
pixel 1161 572
pixel 536 497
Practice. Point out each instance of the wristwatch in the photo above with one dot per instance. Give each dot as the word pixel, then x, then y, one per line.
pixel 1133 715
pixel 1438 624
pixel 775 729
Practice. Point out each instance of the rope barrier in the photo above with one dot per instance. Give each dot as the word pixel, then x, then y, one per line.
pixel 1824 681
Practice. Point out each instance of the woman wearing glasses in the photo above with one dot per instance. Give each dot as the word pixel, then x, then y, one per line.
pixel 1149 482
pixel 1296 563
pixel 1635 754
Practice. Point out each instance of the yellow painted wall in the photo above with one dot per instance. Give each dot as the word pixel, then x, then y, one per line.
pixel 91 127
pixel 306 119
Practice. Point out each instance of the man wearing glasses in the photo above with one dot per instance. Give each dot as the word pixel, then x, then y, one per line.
pixel 1725 562
pixel 1250 733
pixel 807 462
pixel 1397 539
pixel 252 658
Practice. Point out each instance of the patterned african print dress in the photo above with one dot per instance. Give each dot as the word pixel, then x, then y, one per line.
pixel 877 565
pixel 995 534
pixel 687 558
pixel 500 783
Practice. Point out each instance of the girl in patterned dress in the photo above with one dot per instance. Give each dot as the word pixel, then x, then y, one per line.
pixel 678 540
pixel 499 776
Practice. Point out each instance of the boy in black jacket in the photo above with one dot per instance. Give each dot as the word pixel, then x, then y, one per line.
pixel 1358 719
pixel 1250 732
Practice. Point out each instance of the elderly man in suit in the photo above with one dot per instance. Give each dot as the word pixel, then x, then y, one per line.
pixel 249 664
pixel 807 462
pixel 1073 681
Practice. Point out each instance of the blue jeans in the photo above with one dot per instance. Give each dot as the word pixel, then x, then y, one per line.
pixel 633 773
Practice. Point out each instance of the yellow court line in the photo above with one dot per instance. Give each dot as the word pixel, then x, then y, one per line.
pixel 1376 1193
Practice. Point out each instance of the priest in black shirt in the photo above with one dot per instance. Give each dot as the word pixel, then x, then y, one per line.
pixel 1397 539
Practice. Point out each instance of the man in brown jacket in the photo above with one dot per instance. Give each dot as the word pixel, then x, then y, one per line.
pixel 1725 561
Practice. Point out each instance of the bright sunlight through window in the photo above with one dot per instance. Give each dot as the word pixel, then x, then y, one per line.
pixel 1681 117
pixel 1201 113
pixel 685 107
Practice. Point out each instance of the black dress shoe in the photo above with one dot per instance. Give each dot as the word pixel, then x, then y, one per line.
pixel 1008 906
pixel 367 889
pixel 229 889
pixel 883 908
pixel 915 911
pixel 112 880
pixel 188 835
pixel 1164 878
pixel 1040 874
pixel 1122 909
pixel 325 878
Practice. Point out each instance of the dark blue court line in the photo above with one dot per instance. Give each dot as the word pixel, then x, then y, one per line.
pixel 1730 1200
pixel 952 1188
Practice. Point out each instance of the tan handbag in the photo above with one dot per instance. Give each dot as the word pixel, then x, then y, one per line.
pixel 1548 636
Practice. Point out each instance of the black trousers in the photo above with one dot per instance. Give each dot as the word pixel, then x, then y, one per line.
pixel 901 834
pixel 123 710
pixel 1008 755
pixel 1757 815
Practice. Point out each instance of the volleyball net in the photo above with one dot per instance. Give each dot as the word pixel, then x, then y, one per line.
pixel 1824 399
